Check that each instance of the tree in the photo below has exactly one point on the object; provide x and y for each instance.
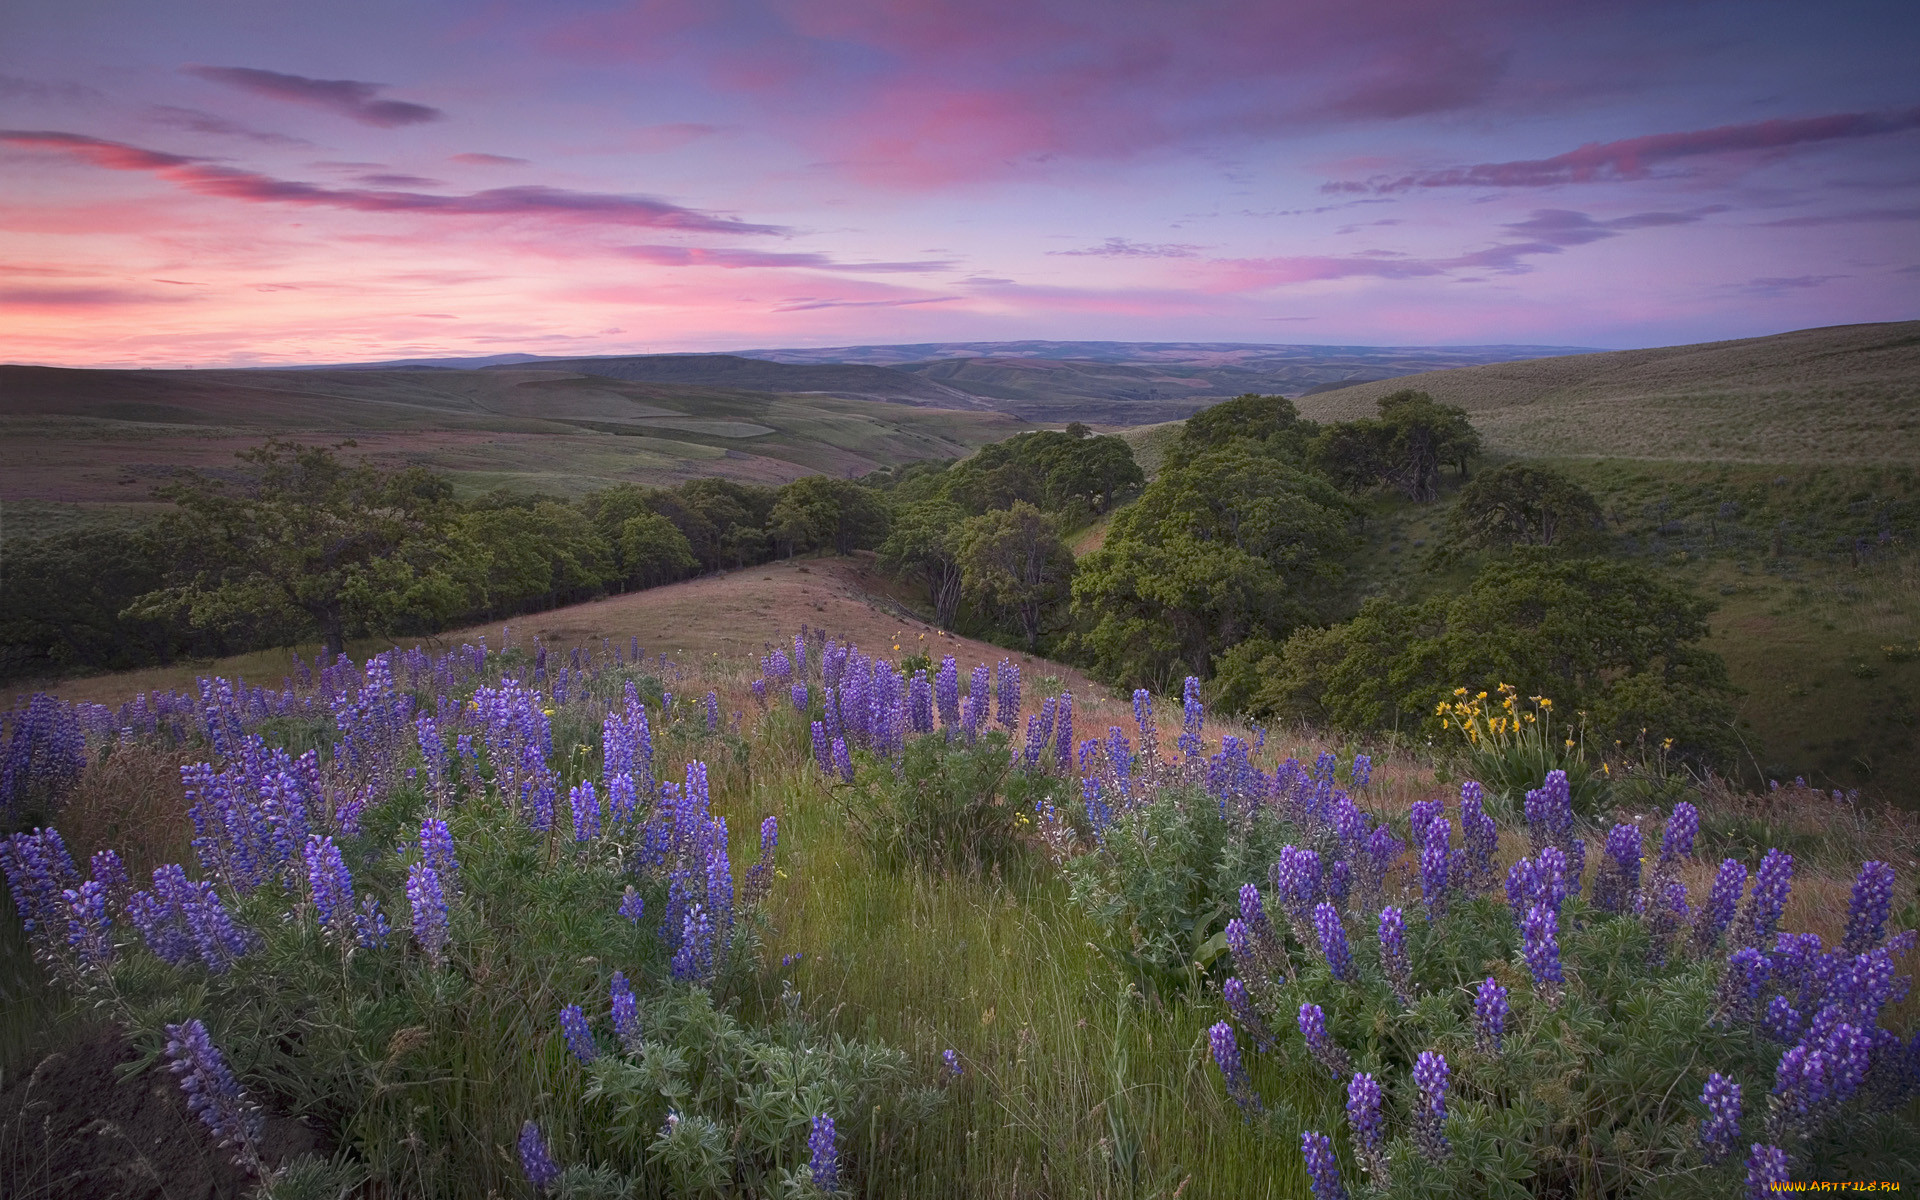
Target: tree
(330, 547)
(818, 512)
(1013, 559)
(61, 600)
(652, 551)
(923, 543)
(1606, 637)
(1227, 546)
(1521, 505)
(1091, 469)
(1403, 447)
(1272, 421)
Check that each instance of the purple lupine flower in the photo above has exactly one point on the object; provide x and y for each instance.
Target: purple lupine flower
(920, 703)
(1194, 716)
(88, 923)
(1362, 771)
(1340, 881)
(1435, 862)
(1721, 1097)
(219, 940)
(331, 887)
(1313, 1027)
(1782, 1021)
(1420, 816)
(799, 696)
(108, 871)
(1143, 721)
(1241, 1006)
(823, 1154)
(436, 850)
(539, 793)
(1801, 1085)
(1676, 842)
(1369, 1129)
(632, 905)
(713, 712)
(1522, 887)
(38, 870)
(842, 760)
(1867, 911)
(1393, 953)
(1760, 915)
(1721, 903)
(1006, 695)
(1429, 1120)
(542, 1171)
(1333, 941)
(759, 689)
(1481, 835)
(1321, 1167)
(974, 713)
(1297, 882)
(1269, 954)
(693, 962)
(1240, 945)
(1489, 1015)
(429, 903)
(950, 1059)
(586, 811)
(821, 754)
(946, 692)
(1619, 875)
(1747, 971)
(370, 924)
(213, 1094)
(1553, 878)
(573, 1023)
(1766, 1166)
(1541, 948)
(1666, 914)
(1226, 1055)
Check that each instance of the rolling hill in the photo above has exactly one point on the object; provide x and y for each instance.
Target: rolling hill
(1841, 394)
(80, 444)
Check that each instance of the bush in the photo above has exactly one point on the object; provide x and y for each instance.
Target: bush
(947, 804)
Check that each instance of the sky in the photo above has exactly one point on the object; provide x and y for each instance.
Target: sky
(246, 182)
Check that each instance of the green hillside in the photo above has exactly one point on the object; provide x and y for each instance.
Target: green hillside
(83, 445)
(1847, 393)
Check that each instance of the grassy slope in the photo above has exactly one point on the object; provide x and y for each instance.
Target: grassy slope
(75, 442)
(1849, 393)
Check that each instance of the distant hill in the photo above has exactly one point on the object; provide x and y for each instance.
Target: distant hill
(1840, 394)
(80, 445)
(851, 381)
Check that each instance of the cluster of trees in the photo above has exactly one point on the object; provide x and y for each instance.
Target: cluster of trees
(313, 545)
(985, 531)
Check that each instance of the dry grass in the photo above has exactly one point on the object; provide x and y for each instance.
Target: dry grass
(1845, 394)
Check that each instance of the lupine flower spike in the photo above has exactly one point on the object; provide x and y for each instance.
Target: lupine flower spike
(1717, 1133)
(1226, 1055)
(1489, 1015)
(213, 1094)
(1313, 1027)
(542, 1171)
(823, 1155)
(1322, 1170)
(1369, 1130)
(1431, 1075)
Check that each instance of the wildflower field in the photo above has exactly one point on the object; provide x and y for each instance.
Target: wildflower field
(515, 922)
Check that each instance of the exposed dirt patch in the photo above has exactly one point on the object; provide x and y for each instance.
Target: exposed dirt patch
(72, 1128)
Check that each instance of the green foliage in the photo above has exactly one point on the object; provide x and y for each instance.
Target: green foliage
(1164, 881)
(821, 513)
(1227, 546)
(1270, 421)
(654, 551)
(1608, 638)
(1013, 560)
(1518, 504)
(1403, 448)
(949, 805)
(923, 544)
(61, 600)
(328, 548)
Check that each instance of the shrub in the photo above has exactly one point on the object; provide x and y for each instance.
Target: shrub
(948, 805)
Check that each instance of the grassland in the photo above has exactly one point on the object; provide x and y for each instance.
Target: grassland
(1846, 394)
(85, 445)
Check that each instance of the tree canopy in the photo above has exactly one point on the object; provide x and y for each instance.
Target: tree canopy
(1403, 448)
(1518, 504)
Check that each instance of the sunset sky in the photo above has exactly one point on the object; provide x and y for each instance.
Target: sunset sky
(247, 182)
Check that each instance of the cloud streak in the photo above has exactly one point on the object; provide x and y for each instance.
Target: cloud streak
(705, 256)
(805, 303)
(206, 178)
(349, 98)
(1635, 158)
(1122, 248)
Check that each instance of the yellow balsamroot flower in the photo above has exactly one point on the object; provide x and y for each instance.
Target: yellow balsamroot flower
(1544, 701)
(1460, 691)
(547, 711)
(1481, 696)
(1569, 743)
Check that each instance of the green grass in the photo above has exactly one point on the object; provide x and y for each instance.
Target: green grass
(1075, 1085)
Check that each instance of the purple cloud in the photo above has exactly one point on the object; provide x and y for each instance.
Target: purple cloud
(205, 178)
(1866, 216)
(1122, 248)
(348, 97)
(1789, 282)
(806, 303)
(192, 120)
(706, 256)
(1634, 158)
(1566, 227)
(79, 298)
(488, 160)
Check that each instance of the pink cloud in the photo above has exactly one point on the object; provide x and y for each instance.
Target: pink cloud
(72, 298)
(804, 304)
(704, 256)
(487, 160)
(205, 178)
(348, 97)
(1634, 158)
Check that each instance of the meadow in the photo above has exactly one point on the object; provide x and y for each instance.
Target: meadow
(914, 925)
